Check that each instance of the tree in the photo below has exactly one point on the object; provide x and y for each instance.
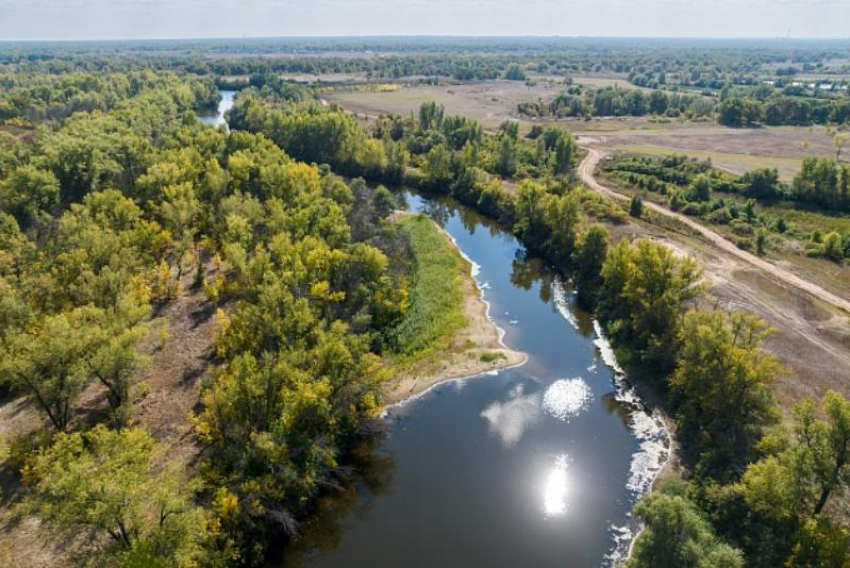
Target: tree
(49, 361)
(565, 151)
(658, 102)
(833, 246)
(29, 192)
(821, 542)
(430, 115)
(761, 241)
(506, 162)
(722, 388)
(115, 364)
(636, 207)
(831, 441)
(730, 112)
(587, 262)
(677, 536)
(701, 188)
(113, 483)
(655, 287)
(438, 168)
(820, 182)
(839, 141)
(762, 183)
(798, 481)
(737, 112)
(515, 73)
(179, 210)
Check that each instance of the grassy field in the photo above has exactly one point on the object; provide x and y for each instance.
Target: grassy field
(490, 102)
(732, 163)
(436, 307)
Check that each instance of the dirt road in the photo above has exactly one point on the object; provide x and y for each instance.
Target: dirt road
(586, 170)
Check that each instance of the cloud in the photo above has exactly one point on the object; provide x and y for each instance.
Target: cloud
(510, 419)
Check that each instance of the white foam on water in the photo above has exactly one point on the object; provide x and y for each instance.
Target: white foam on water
(646, 463)
(559, 298)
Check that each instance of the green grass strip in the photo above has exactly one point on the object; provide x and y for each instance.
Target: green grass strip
(436, 307)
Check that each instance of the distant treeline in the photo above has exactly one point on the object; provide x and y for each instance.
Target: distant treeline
(576, 101)
(772, 109)
(702, 64)
(783, 111)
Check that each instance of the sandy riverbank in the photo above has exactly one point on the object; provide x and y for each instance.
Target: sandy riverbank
(473, 350)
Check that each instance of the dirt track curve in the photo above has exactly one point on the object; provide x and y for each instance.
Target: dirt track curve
(585, 172)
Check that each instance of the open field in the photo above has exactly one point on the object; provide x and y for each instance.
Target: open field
(732, 149)
(736, 150)
(491, 102)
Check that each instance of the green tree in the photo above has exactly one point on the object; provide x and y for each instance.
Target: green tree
(49, 360)
(29, 192)
(645, 290)
(515, 73)
(762, 184)
(587, 264)
(833, 246)
(438, 168)
(761, 241)
(179, 210)
(116, 484)
(115, 365)
(821, 542)
(565, 152)
(701, 188)
(798, 481)
(506, 161)
(636, 207)
(722, 388)
(431, 115)
(677, 536)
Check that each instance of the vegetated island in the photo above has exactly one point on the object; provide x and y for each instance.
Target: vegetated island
(447, 333)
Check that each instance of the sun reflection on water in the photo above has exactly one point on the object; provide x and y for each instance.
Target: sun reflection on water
(556, 490)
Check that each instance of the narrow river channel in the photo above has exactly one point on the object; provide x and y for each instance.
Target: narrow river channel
(534, 466)
(224, 105)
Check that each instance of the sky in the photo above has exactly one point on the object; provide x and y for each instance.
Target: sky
(135, 19)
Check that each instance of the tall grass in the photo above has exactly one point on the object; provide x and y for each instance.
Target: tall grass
(436, 307)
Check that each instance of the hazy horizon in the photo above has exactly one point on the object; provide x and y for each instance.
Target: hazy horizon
(99, 20)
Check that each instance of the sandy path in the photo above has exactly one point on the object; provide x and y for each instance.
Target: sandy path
(585, 172)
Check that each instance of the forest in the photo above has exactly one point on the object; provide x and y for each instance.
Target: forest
(115, 201)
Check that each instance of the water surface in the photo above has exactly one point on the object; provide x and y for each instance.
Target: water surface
(533, 466)
(224, 105)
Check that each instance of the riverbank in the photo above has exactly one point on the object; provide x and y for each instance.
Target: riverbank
(472, 346)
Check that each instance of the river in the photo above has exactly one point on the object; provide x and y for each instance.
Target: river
(534, 466)
(224, 105)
